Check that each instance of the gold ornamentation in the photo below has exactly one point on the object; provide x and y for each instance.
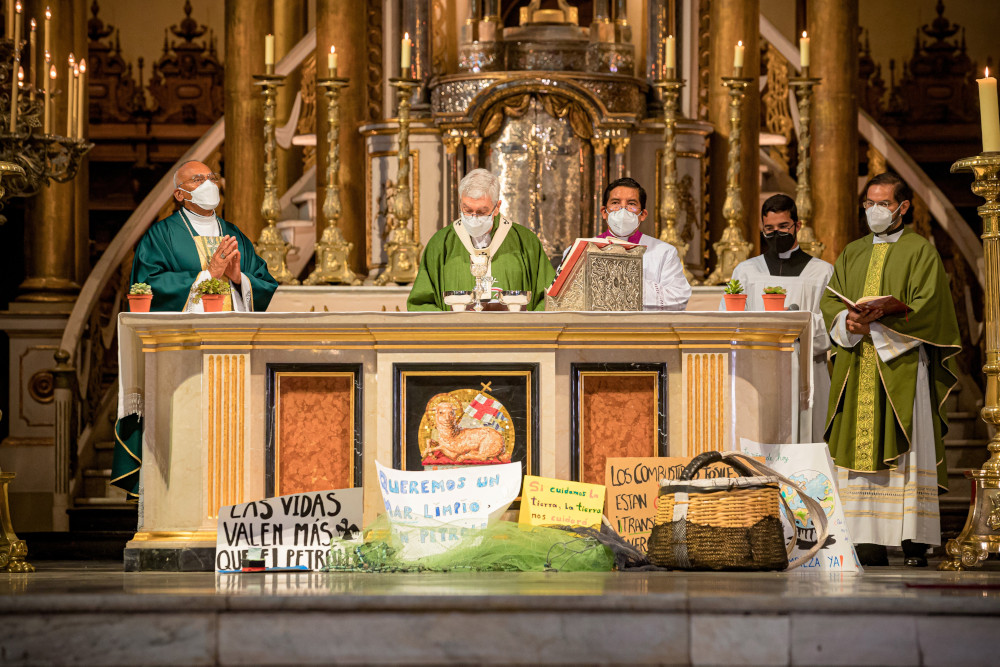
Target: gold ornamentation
(12, 550)
(876, 161)
(732, 249)
(307, 118)
(224, 439)
(979, 537)
(669, 205)
(402, 249)
(374, 51)
(270, 246)
(704, 379)
(607, 279)
(777, 118)
(41, 386)
(333, 250)
(704, 51)
(803, 189)
(868, 375)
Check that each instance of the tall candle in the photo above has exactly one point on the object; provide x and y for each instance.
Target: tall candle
(48, 98)
(32, 71)
(8, 26)
(47, 36)
(269, 50)
(804, 50)
(331, 62)
(404, 55)
(989, 112)
(670, 58)
(70, 97)
(81, 97)
(738, 56)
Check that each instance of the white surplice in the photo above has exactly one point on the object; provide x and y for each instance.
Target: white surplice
(804, 293)
(889, 506)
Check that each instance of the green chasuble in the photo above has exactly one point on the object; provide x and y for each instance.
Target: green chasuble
(870, 415)
(519, 263)
(168, 260)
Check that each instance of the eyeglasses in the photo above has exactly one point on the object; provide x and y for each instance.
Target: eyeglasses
(868, 203)
(198, 179)
(617, 207)
(784, 228)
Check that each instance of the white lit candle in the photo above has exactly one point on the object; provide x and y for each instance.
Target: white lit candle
(269, 51)
(670, 57)
(804, 50)
(404, 56)
(331, 62)
(49, 87)
(17, 30)
(81, 97)
(989, 112)
(738, 56)
(70, 96)
(31, 58)
(47, 36)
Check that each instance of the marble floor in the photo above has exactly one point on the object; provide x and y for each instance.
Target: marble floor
(94, 613)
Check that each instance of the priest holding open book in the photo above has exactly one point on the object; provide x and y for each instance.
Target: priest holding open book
(893, 369)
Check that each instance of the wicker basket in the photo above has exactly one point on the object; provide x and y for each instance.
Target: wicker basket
(727, 523)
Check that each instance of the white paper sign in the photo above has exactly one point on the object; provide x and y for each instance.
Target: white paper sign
(432, 510)
(290, 531)
(809, 464)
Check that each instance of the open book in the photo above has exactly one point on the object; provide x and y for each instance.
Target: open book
(890, 305)
(573, 256)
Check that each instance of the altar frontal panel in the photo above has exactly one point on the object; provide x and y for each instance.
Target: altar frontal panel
(617, 410)
(314, 428)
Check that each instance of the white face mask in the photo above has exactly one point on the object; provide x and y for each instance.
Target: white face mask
(880, 218)
(477, 225)
(623, 222)
(205, 195)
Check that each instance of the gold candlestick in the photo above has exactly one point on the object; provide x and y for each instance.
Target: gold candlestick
(670, 92)
(803, 187)
(981, 534)
(732, 249)
(270, 246)
(402, 249)
(333, 250)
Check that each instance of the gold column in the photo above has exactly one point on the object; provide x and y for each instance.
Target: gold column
(56, 236)
(289, 27)
(247, 23)
(733, 21)
(81, 184)
(833, 27)
(344, 24)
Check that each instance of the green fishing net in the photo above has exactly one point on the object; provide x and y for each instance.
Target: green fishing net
(502, 547)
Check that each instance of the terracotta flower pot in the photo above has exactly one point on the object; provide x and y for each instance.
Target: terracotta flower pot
(212, 302)
(736, 301)
(774, 301)
(139, 303)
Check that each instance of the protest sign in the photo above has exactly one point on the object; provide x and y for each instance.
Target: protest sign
(809, 465)
(633, 484)
(554, 502)
(290, 531)
(433, 509)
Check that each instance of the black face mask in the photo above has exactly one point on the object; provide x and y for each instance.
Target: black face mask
(778, 242)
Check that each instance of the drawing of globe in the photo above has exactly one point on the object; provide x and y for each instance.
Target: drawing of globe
(818, 486)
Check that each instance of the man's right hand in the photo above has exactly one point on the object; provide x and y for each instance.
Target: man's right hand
(222, 256)
(860, 322)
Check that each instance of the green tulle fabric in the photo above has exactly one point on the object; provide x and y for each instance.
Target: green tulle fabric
(502, 547)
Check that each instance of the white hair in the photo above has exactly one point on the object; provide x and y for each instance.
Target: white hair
(478, 183)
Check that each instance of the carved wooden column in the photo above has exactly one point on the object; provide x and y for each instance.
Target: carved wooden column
(247, 23)
(833, 27)
(344, 25)
(289, 27)
(733, 21)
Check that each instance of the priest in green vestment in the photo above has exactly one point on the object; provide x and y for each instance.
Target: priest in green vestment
(513, 254)
(891, 376)
(173, 256)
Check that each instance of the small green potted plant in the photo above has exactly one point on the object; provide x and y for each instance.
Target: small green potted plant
(140, 295)
(211, 293)
(734, 296)
(774, 298)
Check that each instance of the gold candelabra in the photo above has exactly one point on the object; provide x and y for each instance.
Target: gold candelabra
(333, 250)
(670, 91)
(402, 249)
(731, 249)
(981, 534)
(803, 86)
(270, 246)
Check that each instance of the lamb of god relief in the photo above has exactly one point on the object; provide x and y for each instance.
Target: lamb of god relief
(459, 414)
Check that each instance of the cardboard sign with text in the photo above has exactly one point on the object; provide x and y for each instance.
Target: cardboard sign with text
(431, 510)
(555, 502)
(291, 531)
(633, 485)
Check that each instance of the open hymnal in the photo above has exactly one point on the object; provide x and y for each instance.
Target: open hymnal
(890, 305)
(574, 255)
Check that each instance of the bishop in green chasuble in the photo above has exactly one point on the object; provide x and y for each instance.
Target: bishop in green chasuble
(886, 416)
